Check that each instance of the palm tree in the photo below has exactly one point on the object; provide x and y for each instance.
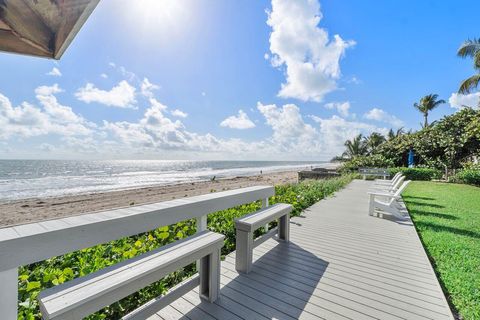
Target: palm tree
(470, 48)
(393, 134)
(374, 141)
(355, 147)
(427, 104)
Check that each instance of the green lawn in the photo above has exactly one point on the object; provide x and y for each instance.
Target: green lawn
(447, 217)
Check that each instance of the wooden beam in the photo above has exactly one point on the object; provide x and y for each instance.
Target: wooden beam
(4, 26)
(10, 43)
(74, 16)
(27, 25)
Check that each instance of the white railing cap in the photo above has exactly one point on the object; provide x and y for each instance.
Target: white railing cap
(24, 244)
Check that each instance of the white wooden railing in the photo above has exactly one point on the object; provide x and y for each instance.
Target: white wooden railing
(29, 243)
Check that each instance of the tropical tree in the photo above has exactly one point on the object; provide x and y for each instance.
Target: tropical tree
(373, 141)
(355, 147)
(427, 104)
(393, 134)
(471, 49)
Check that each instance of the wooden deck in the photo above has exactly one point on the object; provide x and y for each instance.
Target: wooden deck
(340, 264)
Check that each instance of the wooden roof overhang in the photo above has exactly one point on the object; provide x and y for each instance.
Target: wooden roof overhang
(43, 28)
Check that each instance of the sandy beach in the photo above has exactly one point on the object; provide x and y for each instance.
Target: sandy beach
(36, 209)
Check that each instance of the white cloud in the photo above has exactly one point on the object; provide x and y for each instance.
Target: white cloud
(240, 121)
(292, 137)
(341, 107)
(179, 113)
(290, 133)
(48, 90)
(158, 132)
(335, 131)
(46, 147)
(354, 80)
(383, 116)
(122, 95)
(147, 88)
(310, 57)
(104, 75)
(458, 101)
(28, 120)
(54, 72)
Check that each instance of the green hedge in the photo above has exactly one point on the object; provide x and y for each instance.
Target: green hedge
(425, 174)
(468, 176)
(38, 276)
(373, 161)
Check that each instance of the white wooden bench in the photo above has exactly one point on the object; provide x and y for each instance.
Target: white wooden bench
(85, 295)
(246, 225)
(374, 172)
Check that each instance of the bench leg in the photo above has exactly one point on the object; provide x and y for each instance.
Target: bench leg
(210, 276)
(284, 227)
(244, 251)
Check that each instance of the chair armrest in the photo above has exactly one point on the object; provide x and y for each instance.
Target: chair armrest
(382, 194)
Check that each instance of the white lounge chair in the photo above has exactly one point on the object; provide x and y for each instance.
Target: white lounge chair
(389, 182)
(387, 204)
(388, 188)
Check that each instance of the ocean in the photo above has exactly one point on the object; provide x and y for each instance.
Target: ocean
(22, 179)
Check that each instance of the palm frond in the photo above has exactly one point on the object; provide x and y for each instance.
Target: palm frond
(469, 84)
(476, 60)
(437, 103)
(469, 48)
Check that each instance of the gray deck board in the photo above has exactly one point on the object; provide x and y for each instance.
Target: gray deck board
(340, 264)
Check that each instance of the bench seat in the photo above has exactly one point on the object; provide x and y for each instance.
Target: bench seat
(246, 225)
(85, 295)
(253, 221)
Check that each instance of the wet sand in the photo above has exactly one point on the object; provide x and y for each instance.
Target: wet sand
(36, 209)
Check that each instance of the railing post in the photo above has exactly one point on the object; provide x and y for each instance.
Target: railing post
(9, 293)
(201, 226)
(264, 205)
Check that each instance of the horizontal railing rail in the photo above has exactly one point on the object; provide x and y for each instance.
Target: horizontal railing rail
(24, 244)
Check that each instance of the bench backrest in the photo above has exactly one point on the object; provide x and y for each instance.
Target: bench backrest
(374, 171)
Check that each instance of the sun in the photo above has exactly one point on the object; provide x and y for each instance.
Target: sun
(160, 11)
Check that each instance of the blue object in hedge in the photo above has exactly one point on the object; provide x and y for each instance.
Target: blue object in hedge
(410, 158)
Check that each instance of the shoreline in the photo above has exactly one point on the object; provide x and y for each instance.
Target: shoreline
(23, 211)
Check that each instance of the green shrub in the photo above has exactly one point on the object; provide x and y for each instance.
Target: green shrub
(373, 161)
(425, 174)
(468, 176)
(39, 276)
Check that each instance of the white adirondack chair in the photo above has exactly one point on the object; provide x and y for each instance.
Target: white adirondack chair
(387, 188)
(386, 202)
(389, 182)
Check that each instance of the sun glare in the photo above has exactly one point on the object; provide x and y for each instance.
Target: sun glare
(155, 13)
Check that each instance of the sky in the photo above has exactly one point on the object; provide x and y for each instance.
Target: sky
(243, 80)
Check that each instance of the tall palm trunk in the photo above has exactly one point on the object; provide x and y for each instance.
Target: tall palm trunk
(425, 120)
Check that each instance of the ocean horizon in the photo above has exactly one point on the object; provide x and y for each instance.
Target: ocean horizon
(24, 179)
